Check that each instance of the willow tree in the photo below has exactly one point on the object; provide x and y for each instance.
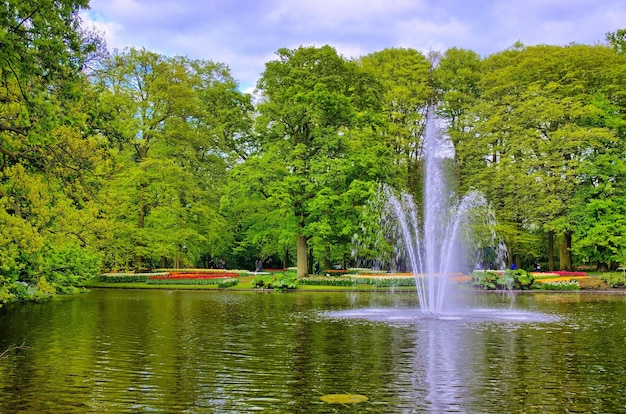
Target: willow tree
(313, 102)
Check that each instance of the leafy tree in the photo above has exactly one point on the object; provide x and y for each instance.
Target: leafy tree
(532, 136)
(177, 122)
(315, 105)
(456, 78)
(406, 78)
(49, 155)
(617, 40)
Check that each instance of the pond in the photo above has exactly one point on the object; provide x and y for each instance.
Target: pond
(223, 351)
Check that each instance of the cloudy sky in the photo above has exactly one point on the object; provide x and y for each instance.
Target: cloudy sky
(245, 34)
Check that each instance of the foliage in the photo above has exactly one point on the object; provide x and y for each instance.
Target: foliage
(278, 281)
(186, 281)
(614, 279)
(176, 122)
(509, 279)
(542, 118)
(51, 155)
(226, 283)
(353, 281)
(123, 278)
(138, 160)
(317, 113)
(327, 281)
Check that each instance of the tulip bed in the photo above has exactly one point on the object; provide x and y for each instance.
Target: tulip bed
(192, 278)
(220, 278)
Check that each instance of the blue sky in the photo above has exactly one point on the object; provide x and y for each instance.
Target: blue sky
(245, 34)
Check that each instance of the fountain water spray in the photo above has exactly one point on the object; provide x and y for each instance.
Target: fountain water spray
(452, 235)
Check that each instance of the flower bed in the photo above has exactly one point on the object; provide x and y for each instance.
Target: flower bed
(188, 281)
(557, 285)
(557, 273)
(194, 276)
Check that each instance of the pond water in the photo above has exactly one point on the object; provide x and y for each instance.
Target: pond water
(217, 352)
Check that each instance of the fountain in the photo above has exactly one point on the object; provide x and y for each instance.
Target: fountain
(434, 247)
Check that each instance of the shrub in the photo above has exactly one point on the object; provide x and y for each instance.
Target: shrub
(522, 280)
(614, 280)
(184, 281)
(328, 281)
(123, 278)
(386, 281)
(509, 279)
(226, 283)
(279, 281)
(484, 280)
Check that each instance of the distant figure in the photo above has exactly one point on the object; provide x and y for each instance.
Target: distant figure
(222, 264)
(538, 267)
(513, 266)
(316, 268)
(258, 265)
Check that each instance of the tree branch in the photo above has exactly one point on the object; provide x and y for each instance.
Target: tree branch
(5, 353)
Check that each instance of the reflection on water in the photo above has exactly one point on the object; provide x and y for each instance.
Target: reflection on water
(184, 351)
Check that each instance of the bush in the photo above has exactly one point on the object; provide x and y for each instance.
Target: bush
(614, 280)
(327, 281)
(67, 266)
(123, 278)
(484, 280)
(509, 279)
(279, 281)
(226, 283)
(386, 281)
(182, 281)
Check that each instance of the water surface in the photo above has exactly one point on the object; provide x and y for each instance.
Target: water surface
(217, 352)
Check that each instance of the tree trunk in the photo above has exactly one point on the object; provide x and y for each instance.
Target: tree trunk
(327, 264)
(301, 256)
(565, 256)
(550, 251)
(509, 255)
(141, 219)
(177, 258)
(141, 206)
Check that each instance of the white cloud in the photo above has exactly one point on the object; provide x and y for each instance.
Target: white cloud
(244, 34)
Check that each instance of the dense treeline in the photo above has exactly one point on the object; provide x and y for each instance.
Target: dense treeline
(131, 160)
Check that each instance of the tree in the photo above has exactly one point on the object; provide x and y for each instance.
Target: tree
(177, 122)
(532, 135)
(48, 169)
(617, 40)
(314, 100)
(406, 78)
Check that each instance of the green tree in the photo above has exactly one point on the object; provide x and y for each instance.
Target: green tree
(405, 75)
(617, 40)
(177, 122)
(532, 135)
(49, 154)
(315, 104)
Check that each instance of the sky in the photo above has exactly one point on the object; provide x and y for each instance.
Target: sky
(245, 34)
